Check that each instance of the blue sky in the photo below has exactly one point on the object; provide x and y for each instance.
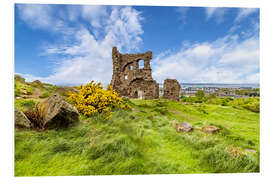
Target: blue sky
(71, 44)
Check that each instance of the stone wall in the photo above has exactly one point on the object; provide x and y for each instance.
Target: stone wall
(129, 79)
(171, 89)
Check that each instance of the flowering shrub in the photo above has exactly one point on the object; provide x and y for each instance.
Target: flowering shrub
(92, 98)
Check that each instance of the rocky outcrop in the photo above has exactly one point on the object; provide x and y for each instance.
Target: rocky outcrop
(19, 78)
(38, 83)
(21, 121)
(184, 127)
(56, 112)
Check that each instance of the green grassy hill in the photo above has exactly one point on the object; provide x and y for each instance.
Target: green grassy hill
(144, 141)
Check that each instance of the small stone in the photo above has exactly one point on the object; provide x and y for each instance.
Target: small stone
(24, 92)
(211, 129)
(251, 151)
(184, 127)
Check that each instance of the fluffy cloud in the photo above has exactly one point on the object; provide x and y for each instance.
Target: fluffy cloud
(40, 16)
(37, 16)
(86, 50)
(225, 60)
(87, 56)
(95, 14)
(244, 12)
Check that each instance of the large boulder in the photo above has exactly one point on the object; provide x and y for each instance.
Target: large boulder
(184, 127)
(21, 121)
(57, 113)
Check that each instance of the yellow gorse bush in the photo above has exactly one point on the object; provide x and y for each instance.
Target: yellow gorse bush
(92, 98)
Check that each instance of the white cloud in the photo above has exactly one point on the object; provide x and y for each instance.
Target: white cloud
(87, 48)
(244, 12)
(182, 11)
(89, 57)
(234, 28)
(215, 12)
(210, 11)
(96, 14)
(226, 60)
(35, 15)
(73, 12)
(41, 16)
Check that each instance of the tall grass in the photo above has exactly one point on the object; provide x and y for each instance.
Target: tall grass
(143, 141)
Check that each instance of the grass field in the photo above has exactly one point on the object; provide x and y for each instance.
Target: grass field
(144, 141)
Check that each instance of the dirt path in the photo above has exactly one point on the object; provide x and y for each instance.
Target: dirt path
(36, 94)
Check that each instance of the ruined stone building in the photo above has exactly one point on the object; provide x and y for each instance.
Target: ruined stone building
(171, 89)
(131, 78)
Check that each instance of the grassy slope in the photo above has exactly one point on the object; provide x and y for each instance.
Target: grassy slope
(143, 141)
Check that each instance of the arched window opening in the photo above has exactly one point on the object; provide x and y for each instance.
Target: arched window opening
(141, 64)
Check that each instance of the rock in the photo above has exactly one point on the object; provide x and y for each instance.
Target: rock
(65, 90)
(184, 127)
(19, 78)
(251, 151)
(21, 120)
(24, 92)
(38, 83)
(211, 129)
(235, 151)
(58, 113)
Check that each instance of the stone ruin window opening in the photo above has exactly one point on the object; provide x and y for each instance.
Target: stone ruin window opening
(141, 64)
(131, 67)
(126, 77)
(140, 94)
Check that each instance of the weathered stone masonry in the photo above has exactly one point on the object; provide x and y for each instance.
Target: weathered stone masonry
(129, 79)
(171, 89)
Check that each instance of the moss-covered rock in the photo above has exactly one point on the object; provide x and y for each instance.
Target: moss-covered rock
(21, 121)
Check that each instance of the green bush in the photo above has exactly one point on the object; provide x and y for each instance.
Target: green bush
(25, 104)
(225, 101)
(17, 92)
(251, 103)
(49, 87)
(29, 91)
(200, 95)
(44, 95)
(255, 107)
(17, 88)
(189, 99)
